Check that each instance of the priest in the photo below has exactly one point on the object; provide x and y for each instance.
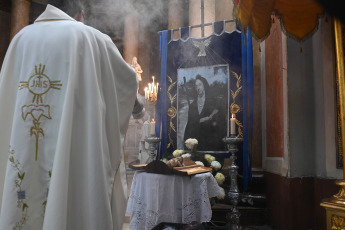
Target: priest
(66, 96)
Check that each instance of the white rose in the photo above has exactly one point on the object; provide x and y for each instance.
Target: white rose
(220, 178)
(187, 155)
(199, 163)
(209, 158)
(216, 165)
(221, 194)
(178, 153)
(191, 142)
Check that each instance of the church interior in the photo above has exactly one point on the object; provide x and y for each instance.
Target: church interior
(295, 117)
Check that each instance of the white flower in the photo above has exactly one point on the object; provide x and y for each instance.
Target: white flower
(199, 163)
(191, 143)
(216, 165)
(221, 194)
(178, 153)
(186, 155)
(220, 178)
(209, 158)
(164, 160)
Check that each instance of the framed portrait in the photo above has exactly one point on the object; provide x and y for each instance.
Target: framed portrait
(203, 105)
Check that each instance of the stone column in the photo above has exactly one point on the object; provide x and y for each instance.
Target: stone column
(19, 15)
(195, 16)
(130, 38)
(176, 16)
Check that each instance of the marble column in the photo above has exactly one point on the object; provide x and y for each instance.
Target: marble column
(130, 38)
(19, 16)
(195, 16)
(176, 16)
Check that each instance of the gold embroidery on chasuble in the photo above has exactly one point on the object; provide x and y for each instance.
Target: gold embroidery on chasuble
(38, 85)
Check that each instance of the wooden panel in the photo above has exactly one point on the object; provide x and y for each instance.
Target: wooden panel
(274, 92)
(294, 203)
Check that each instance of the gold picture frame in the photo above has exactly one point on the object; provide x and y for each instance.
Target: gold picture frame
(340, 89)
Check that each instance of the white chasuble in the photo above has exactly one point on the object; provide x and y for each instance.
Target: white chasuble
(66, 96)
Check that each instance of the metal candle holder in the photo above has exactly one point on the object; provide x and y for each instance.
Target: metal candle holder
(152, 141)
(233, 216)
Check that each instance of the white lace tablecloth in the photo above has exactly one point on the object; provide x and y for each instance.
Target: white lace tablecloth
(156, 198)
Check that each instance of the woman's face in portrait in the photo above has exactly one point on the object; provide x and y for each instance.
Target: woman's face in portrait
(199, 87)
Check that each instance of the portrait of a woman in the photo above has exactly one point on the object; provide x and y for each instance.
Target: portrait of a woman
(205, 121)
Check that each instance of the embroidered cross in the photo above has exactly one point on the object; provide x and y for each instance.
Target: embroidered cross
(38, 85)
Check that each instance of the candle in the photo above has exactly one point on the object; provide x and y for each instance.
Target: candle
(153, 127)
(146, 94)
(233, 124)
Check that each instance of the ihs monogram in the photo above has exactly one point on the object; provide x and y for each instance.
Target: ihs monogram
(38, 84)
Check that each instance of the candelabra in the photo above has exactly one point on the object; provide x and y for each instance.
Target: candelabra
(233, 216)
(152, 141)
(151, 92)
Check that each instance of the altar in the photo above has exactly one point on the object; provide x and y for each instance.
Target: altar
(158, 198)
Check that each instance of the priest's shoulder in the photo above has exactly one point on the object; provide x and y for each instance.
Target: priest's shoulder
(99, 34)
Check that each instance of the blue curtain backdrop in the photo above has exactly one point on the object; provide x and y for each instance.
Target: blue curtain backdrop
(221, 48)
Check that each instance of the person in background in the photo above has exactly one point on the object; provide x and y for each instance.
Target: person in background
(66, 96)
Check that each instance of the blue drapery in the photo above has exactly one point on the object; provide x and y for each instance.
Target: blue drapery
(161, 107)
(248, 92)
(232, 49)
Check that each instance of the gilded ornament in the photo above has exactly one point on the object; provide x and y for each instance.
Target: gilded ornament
(337, 222)
(235, 108)
(172, 112)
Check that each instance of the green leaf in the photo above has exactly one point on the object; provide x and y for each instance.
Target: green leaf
(50, 174)
(44, 203)
(21, 176)
(11, 159)
(25, 206)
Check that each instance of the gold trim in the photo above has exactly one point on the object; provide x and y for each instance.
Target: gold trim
(340, 80)
(333, 206)
(339, 198)
(337, 222)
(171, 115)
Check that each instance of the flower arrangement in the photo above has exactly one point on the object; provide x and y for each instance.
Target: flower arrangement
(178, 153)
(191, 143)
(200, 159)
